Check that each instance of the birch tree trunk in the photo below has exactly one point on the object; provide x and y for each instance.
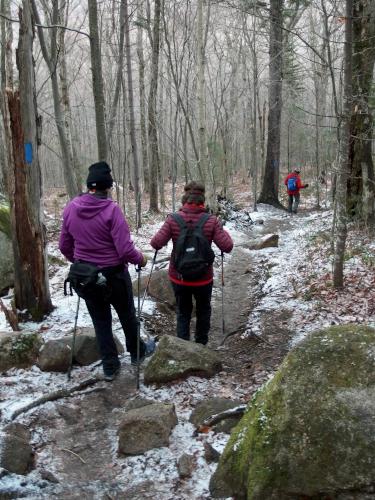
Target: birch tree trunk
(152, 122)
(270, 187)
(342, 178)
(97, 81)
(28, 231)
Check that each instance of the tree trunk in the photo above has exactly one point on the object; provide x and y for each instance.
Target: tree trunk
(72, 184)
(345, 146)
(270, 187)
(28, 235)
(142, 97)
(133, 135)
(360, 191)
(152, 122)
(97, 80)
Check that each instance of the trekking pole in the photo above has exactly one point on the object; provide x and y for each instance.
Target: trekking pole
(138, 269)
(148, 282)
(222, 294)
(74, 339)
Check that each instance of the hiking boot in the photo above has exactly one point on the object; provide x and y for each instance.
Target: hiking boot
(150, 346)
(111, 375)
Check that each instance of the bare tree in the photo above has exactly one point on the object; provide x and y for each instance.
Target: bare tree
(97, 80)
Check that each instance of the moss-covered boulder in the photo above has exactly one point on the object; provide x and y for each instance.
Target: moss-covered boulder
(6, 250)
(310, 432)
(18, 350)
(176, 359)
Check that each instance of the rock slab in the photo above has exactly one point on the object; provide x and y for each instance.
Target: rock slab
(18, 350)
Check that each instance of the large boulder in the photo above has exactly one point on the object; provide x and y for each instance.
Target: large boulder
(55, 354)
(176, 359)
(310, 432)
(18, 349)
(267, 241)
(145, 428)
(16, 454)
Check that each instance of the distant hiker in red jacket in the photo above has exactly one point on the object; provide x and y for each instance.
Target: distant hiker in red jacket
(192, 231)
(294, 184)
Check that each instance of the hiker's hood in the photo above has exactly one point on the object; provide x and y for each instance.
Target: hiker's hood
(88, 205)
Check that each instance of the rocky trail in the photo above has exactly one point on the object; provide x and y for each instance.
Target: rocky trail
(75, 439)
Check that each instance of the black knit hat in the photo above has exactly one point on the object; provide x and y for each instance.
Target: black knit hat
(99, 176)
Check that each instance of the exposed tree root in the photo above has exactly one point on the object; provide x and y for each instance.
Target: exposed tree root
(53, 396)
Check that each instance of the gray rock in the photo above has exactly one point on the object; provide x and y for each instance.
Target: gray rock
(310, 432)
(178, 359)
(18, 350)
(137, 402)
(209, 408)
(16, 454)
(267, 241)
(48, 476)
(55, 354)
(210, 454)
(18, 430)
(146, 428)
(185, 465)
(160, 287)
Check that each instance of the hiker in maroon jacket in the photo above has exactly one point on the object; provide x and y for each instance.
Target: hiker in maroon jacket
(192, 211)
(294, 184)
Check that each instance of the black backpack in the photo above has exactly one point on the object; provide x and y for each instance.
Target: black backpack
(193, 253)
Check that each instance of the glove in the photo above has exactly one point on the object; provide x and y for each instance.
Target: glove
(306, 186)
(144, 261)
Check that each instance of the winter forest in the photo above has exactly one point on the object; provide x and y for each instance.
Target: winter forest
(234, 94)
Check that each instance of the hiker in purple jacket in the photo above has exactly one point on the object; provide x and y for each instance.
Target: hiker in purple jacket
(95, 231)
(192, 210)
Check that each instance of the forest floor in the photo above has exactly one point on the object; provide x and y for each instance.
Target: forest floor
(272, 298)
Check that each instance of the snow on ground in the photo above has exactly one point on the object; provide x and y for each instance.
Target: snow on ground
(298, 280)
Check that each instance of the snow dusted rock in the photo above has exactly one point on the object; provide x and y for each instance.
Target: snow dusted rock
(18, 350)
(267, 241)
(210, 454)
(16, 454)
(55, 354)
(175, 359)
(209, 408)
(310, 432)
(146, 428)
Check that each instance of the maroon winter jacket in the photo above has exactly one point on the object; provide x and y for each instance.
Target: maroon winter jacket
(212, 230)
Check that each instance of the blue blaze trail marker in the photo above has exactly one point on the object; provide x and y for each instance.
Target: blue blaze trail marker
(28, 152)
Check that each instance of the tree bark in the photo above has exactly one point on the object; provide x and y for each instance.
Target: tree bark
(133, 135)
(361, 178)
(270, 187)
(152, 122)
(345, 146)
(28, 235)
(97, 80)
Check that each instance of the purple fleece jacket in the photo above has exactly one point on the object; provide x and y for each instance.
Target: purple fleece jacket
(95, 230)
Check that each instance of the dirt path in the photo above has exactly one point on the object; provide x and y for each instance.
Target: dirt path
(75, 439)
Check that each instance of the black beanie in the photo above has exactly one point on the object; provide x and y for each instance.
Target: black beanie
(99, 176)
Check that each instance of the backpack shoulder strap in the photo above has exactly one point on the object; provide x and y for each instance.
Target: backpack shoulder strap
(202, 221)
(180, 221)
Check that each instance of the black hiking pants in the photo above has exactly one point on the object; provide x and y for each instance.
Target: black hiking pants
(119, 294)
(184, 298)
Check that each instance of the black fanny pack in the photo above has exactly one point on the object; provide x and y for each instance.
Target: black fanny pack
(83, 278)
